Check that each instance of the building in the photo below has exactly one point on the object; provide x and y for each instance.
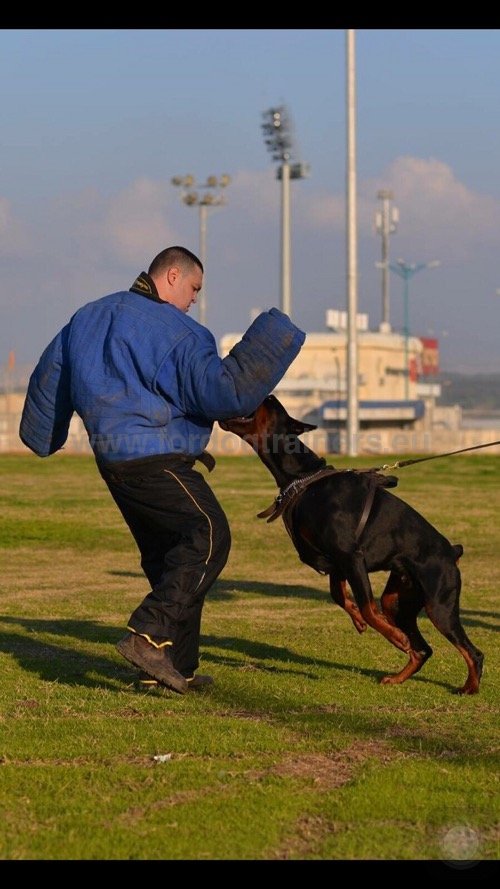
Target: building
(397, 411)
(397, 394)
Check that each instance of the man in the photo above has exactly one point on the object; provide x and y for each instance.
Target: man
(148, 383)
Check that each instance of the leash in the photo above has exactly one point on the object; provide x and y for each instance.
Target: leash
(279, 507)
(400, 463)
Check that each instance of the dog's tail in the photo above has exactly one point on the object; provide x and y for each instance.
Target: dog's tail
(459, 550)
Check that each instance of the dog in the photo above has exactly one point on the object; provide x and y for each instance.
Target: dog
(345, 524)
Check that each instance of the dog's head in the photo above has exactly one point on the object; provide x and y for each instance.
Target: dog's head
(270, 418)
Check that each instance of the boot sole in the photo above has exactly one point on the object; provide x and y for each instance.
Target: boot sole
(176, 683)
(155, 685)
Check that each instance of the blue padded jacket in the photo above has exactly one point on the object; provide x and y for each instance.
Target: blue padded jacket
(147, 379)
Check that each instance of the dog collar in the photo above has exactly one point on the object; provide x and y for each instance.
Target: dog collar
(288, 494)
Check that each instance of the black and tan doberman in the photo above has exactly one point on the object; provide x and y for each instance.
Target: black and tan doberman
(344, 523)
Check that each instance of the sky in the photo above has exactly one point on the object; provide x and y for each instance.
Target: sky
(96, 122)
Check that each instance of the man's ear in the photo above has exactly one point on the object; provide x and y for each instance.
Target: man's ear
(172, 274)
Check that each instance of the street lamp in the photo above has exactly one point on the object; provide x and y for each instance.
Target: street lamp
(386, 221)
(407, 270)
(278, 139)
(205, 199)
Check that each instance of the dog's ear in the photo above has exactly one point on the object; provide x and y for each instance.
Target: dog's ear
(298, 426)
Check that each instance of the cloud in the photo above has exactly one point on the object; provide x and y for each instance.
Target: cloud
(324, 211)
(84, 242)
(90, 236)
(436, 210)
(91, 227)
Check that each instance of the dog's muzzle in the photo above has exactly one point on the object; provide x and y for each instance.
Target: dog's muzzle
(226, 424)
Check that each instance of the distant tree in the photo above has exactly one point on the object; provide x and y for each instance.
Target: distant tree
(479, 392)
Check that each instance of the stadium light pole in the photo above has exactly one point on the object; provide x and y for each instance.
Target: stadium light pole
(406, 271)
(278, 139)
(386, 220)
(204, 199)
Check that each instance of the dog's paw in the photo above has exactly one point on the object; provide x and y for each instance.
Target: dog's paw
(467, 689)
(359, 624)
(391, 679)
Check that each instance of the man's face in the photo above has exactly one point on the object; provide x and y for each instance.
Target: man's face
(184, 287)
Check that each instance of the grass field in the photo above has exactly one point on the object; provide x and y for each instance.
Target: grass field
(297, 751)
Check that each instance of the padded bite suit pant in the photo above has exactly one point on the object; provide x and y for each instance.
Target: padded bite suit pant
(184, 539)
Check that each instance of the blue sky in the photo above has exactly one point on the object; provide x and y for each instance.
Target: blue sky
(96, 122)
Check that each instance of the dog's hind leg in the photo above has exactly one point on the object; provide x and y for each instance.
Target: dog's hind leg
(339, 594)
(401, 603)
(358, 580)
(444, 613)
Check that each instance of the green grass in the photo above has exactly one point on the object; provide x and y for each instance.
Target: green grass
(297, 751)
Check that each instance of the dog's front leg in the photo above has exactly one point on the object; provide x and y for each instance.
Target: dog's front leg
(359, 581)
(339, 594)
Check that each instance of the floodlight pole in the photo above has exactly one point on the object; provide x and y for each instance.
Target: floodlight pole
(203, 202)
(386, 221)
(203, 257)
(278, 139)
(286, 287)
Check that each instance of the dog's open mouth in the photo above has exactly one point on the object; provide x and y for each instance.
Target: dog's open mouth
(226, 424)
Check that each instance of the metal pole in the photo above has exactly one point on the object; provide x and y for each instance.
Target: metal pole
(351, 220)
(406, 271)
(385, 255)
(385, 270)
(285, 239)
(385, 221)
(203, 202)
(406, 331)
(202, 301)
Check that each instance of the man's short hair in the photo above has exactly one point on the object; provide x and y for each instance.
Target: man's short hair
(171, 256)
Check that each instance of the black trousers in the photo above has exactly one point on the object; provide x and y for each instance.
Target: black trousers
(184, 539)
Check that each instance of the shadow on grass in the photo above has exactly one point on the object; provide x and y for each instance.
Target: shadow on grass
(59, 662)
(469, 618)
(62, 663)
(227, 589)
(51, 661)
(224, 590)
(127, 574)
(259, 652)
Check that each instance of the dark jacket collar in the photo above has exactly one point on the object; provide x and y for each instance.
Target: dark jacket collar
(145, 285)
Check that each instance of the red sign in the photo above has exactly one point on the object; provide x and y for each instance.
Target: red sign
(412, 370)
(430, 355)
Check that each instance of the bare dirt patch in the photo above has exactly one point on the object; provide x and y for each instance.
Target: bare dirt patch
(326, 772)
